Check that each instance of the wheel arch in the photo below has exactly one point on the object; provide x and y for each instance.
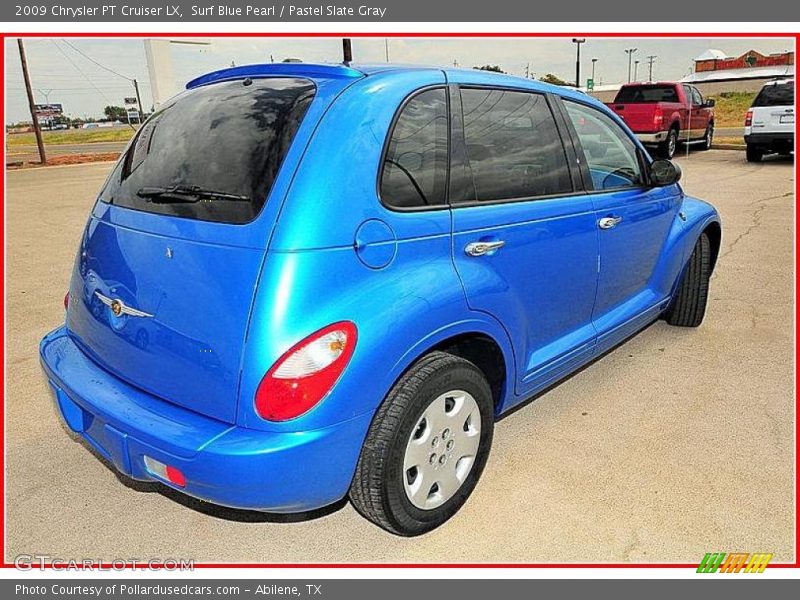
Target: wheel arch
(482, 342)
(714, 232)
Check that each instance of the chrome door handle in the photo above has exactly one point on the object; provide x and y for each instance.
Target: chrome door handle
(609, 222)
(481, 248)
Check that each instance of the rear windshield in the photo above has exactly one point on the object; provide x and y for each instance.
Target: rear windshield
(643, 94)
(780, 94)
(213, 152)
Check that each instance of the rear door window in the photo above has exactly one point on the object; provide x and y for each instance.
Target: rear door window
(414, 172)
(780, 94)
(513, 146)
(212, 153)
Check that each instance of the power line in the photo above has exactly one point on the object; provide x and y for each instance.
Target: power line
(89, 58)
(72, 62)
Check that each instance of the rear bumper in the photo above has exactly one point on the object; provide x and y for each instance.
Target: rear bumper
(224, 464)
(770, 139)
(652, 138)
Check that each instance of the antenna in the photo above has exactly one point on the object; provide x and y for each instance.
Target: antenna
(347, 51)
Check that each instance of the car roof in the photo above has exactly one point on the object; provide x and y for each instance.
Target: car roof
(779, 82)
(356, 71)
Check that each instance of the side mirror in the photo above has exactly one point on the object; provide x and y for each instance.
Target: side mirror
(711, 103)
(664, 173)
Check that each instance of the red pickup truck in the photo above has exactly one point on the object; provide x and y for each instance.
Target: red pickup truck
(662, 114)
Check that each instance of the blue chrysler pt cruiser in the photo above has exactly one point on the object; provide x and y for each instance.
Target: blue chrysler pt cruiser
(305, 282)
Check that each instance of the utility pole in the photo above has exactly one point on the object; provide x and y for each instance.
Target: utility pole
(629, 52)
(347, 50)
(31, 103)
(650, 60)
(386, 44)
(594, 62)
(138, 100)
(636, 70)
(578, 42)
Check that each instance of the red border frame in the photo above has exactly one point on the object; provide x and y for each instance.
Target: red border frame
(518, 34)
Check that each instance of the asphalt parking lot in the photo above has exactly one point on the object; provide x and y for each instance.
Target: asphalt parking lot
(677, 443)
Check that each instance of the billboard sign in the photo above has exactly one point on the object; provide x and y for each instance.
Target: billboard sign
(48, 111)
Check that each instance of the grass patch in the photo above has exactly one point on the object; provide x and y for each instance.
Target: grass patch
(732, 141)
(731, 108)
(74, 136)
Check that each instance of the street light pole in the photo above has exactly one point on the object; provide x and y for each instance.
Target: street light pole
(31, 104)
(629, 52)
(636, 70)
(578, 42)
(594, 62)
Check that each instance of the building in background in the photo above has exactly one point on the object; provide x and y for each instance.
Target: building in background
(714, 72)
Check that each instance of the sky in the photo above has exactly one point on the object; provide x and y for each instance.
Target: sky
(62, 70)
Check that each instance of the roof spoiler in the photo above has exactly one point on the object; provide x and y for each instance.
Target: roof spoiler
(273, 69)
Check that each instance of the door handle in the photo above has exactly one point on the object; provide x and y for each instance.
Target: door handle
(609, 222)
(482, 248)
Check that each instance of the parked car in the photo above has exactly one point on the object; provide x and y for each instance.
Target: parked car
(664, 114)
(302, 282)
(769, 124)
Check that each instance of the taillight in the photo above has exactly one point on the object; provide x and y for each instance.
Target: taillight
(748, 118)
(305, 374)
(66, 301)
(658, 118)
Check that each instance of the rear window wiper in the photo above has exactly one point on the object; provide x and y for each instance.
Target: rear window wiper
(186, 193)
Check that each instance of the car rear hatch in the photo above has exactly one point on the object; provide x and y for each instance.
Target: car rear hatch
(170, 259)
(773, 109)
(640, 108)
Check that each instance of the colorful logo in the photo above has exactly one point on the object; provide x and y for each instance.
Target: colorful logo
(735, 562)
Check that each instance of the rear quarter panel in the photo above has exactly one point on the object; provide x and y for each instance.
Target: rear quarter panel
(313, 275)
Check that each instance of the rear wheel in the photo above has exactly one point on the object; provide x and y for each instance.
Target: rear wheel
(754, 153)
(708, 138)
(689, 305)
(426, 447)
(666, 149)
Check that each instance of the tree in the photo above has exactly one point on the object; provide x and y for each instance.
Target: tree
(115, 113)
(493, 68)
(554, 79)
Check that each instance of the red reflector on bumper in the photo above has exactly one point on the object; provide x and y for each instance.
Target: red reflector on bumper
(162, 471)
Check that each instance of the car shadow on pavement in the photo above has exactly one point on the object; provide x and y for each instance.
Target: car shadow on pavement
(222, 512)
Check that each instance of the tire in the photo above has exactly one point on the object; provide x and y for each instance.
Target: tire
(754, 153)
(382, 486)
(708, 138)
(666, 149)
(689, 305)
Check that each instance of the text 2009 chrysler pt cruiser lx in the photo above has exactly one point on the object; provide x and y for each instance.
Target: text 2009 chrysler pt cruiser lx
(302, 282)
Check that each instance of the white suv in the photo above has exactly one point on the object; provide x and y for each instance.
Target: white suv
(769, 124)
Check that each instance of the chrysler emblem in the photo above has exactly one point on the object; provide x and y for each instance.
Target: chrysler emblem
(118, 307)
